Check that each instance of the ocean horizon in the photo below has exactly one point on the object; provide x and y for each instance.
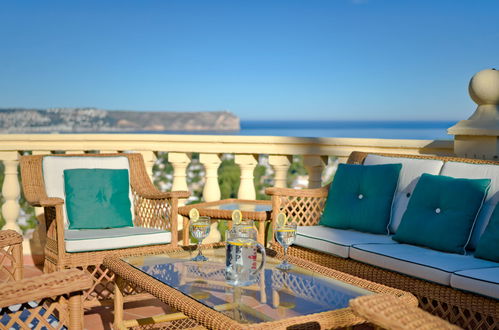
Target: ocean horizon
(388, 129)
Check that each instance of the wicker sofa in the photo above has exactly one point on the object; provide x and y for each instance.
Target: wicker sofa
(459, 288)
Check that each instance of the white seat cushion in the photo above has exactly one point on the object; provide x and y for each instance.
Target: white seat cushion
(83, 240)
(411, 171)
(54, 166)
(335, 241)
(477, 171)
(430, 265)
(484, 281)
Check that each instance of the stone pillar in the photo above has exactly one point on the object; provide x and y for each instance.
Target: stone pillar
(149, 160)
(211, 189)
(314, 165)
(11, 190)
(478, 136)
(280, 165)
(179, 161)
(247, 164)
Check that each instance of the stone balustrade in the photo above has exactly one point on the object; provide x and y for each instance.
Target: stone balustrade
(246, 151)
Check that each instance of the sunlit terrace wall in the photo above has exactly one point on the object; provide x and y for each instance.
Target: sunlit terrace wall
(246, 149)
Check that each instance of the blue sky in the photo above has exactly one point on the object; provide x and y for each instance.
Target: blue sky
(335, 59)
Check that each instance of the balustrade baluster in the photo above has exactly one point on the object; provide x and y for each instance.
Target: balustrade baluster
(11, 190)
(280, 165)
(211, 190)
(314, 165)
(247, 164)
(180, 161)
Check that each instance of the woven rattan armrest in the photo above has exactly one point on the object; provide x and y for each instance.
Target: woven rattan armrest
(390, 312)
(317, 192)
(156, 194)
(48, 285)
(51, 201)
(9, 237)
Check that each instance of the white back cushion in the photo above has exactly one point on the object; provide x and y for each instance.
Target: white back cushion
(411, 171)
(53, 173)
(477, 171)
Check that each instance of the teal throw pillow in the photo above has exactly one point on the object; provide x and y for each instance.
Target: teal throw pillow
(97, 198)
(488, 245)
(360, 197)
(441, 212)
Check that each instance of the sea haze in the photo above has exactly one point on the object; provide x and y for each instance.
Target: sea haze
(422, 130)
(353, 129)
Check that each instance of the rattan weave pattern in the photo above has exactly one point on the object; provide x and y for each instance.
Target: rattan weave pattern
(388, 312)
(41, 298)
(213, 320)
(152, 208)
(462, 308)
(11, 258)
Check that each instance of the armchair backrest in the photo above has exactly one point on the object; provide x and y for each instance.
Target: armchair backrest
(42, 175)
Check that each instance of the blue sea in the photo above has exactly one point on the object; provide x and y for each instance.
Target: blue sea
(422, 130)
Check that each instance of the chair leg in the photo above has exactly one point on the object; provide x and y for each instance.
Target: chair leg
(118, 302)
(75, 311)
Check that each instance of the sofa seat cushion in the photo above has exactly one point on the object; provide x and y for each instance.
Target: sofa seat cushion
(412, 169)
(85, 240)
(335, 241)
(484, 281)
(420, 262)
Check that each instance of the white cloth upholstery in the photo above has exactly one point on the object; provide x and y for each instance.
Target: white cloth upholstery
(477, 171)
(484, 281)
(53, 173)
(335, 241)
(427, 264)
(411, 171)
(83, 240)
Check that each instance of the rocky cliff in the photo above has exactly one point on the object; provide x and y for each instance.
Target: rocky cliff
(81, 120)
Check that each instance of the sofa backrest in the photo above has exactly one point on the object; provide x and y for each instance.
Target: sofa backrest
(411, 171)
(451, 166)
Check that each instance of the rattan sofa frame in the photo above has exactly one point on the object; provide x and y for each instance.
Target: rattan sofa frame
(152, 208)
(464, 309)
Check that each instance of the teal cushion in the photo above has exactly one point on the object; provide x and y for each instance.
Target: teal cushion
(97, 198)
(441, 212)
(488, 245)
(360, 197)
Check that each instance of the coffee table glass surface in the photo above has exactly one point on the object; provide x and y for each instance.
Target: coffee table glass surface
(276, 296)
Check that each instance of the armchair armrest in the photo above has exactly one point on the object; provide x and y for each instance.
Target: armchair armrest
(156, 194)
(51, 201)
(9, 237)
(47, 285)
(390, 312)
(317, 192)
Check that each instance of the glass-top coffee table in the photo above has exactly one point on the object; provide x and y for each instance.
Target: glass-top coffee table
(306, 294)
(256, 210)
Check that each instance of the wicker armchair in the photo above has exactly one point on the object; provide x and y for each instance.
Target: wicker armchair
(389, 312)
(465, 309)
(50, 301)
(151, 209)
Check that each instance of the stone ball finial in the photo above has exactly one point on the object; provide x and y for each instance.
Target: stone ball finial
(484, 87)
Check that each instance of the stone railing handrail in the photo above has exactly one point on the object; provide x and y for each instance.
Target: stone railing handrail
(179, 147)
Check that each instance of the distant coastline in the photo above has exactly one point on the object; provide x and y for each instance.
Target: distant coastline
(93, 120)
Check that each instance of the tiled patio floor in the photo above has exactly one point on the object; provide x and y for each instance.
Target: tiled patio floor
(102, 317)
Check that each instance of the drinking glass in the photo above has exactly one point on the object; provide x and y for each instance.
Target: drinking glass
(200, 228)
(285, 235)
